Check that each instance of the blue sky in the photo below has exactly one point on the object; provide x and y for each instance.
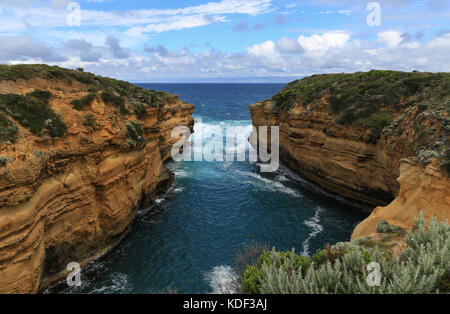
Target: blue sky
(225, 40)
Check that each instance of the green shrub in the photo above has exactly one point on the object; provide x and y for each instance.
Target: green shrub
(80, 104)
(347, 118)
(139, 108)
(42, 95)
(384, 227)
(34, 112)
(135, 134)
(364, 98)
(251, 282)
(286, 99)
(423, 267)
(8, 129)
(89, 121)
(119, 101)
(377, 122)
(3, 161)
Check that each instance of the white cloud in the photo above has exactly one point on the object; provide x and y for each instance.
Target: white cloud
(144, 20)
(264, 50)
(390, 38)
(319, 44)
(289, 45)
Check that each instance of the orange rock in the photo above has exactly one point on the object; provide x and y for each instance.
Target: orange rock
(70, 199)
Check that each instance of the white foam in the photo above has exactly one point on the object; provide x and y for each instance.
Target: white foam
(271, 185)
(221, 279)
(314, 224)
(207, 133)
(119, 284)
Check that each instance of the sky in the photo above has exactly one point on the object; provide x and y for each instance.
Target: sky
(226, 40)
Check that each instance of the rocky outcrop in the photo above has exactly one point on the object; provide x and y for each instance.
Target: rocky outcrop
(70, 198)
(422, 190)
(380, 138)
(342, 160)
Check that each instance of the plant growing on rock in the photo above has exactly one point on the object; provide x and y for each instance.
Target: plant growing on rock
(80, 104)
(8, 129)
(109, 98)
(33, 111)
(135, 135)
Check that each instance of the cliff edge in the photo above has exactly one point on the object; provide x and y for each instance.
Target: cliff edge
(80, 154)
(380, 137)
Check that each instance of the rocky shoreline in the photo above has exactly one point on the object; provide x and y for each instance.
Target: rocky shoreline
(395, 156)
(70, 197)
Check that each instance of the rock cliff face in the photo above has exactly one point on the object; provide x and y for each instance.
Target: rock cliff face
(69, 197)
(370, 137)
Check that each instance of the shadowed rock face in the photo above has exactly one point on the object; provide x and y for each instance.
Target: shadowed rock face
(349, 154)
(71, 198)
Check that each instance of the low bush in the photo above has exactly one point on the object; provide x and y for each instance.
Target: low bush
(8, 129)
(385, 227)
(138, 108)
(377, 122)
(119, 101)
(33, 111)
(80, 104)
(135, 135)
(423, 267)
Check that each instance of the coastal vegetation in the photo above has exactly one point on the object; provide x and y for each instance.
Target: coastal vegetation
(387, 104)
(367, 98)
(422, 267)
(80, 104)
(115, 92)
(33, 112)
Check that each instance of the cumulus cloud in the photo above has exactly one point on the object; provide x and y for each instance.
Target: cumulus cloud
(117, 51)
(25, 47)
(85, 49)
(289, 45)
(160, 49)
(319, 44)
(390, 38)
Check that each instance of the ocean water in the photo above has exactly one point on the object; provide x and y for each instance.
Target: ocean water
(187, 240)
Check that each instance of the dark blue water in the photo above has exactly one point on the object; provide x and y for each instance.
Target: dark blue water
(187, 240)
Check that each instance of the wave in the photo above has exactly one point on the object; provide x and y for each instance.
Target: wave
(221, 279)
(272, 185)
(119, 284)
(314, 224)
(232, 135)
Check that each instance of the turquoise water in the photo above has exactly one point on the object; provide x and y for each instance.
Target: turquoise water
(187, 240)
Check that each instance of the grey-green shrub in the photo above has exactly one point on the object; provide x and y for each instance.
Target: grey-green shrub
(423, 267)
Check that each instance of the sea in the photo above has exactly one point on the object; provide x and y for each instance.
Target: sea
(187, 240)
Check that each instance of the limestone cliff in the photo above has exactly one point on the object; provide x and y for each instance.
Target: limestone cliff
(75, 166)
(352, 134)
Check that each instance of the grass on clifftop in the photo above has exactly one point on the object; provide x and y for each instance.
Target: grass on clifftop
(113, 91)
(365, 98)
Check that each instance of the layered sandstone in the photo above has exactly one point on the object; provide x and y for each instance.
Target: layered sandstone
(69, 199)
(401, 167)
(422, 190)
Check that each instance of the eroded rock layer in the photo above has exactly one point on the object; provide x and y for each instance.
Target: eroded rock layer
(70, 198)
(381, 138)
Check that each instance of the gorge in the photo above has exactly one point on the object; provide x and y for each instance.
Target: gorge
(71, 188)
